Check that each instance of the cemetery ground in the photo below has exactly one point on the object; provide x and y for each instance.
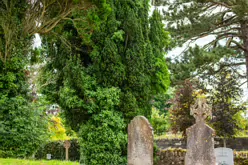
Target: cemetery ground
(35, 162)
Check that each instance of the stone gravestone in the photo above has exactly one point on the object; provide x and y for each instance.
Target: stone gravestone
(67, 145)
(224, 156)
(200, 141)
(140, 142)
(49, 156)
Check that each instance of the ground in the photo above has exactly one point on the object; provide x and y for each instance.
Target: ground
(34, 162)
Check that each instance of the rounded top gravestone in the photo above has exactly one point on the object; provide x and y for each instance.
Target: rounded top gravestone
(224, 156)
(140, 142)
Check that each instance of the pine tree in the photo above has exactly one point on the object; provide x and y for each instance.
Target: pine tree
(225, 100)
(225, 20)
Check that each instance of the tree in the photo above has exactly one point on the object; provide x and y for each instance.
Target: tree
(225, 99)
(123, 52)
(116, 69)
(19, 21)
(21, 121)
(180, 117)
(225, 20)
(159, 122)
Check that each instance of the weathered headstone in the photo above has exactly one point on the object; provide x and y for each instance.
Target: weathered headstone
(67, 145)
(49, 156)
(224, 156)
(140, 142)
(200, 141)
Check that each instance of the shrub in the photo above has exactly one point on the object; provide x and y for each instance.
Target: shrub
(102, 139)
(23, 129)
(159, 122)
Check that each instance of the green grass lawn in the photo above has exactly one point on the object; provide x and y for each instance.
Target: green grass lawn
(34, 162)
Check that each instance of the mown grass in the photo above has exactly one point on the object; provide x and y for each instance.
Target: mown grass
(34, 162)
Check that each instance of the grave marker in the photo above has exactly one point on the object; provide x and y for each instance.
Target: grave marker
(200, 142)
(140, 142)
(224, 156)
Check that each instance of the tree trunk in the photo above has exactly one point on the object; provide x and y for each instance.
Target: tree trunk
(224, 142)
(244, 33)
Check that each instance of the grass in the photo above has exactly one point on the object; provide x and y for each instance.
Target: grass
(34, 162)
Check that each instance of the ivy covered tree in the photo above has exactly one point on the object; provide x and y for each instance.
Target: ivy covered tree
(20, 121)
(226, 103)
(123, 51)
(110, 63)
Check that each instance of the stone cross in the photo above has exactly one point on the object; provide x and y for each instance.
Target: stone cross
(200, 141)
(67, 145)
(140, 142)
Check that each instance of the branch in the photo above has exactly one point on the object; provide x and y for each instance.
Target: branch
(221, 4)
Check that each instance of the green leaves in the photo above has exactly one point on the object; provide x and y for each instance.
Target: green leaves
(21, 124)
(102, 139)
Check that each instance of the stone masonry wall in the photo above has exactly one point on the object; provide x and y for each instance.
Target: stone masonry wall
(173, 156)
(238, 144)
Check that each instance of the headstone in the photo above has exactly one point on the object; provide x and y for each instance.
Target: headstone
(140, 142)
(67, 145)
(224, 156)
(200, 141)
(49, 156)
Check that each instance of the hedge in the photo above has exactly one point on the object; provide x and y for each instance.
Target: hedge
(57, 150)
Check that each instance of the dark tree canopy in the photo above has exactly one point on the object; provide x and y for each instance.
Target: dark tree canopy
(125, 50)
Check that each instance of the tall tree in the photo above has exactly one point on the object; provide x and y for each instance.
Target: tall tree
(225, 99)
(111, 72)
(225, 20)
(19, 21)
(123, 52)
(18, 118)
(180, 117)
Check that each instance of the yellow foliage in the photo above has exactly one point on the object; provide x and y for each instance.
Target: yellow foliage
(199, 94)
(57, 129)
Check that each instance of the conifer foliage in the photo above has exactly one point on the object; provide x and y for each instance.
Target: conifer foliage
(106, 72)
(224, 21)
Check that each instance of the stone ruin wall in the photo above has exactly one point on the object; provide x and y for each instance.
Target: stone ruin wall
(175, 156)
(171, 157)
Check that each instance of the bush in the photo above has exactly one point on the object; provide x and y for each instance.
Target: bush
(103, 139)
(57, 150)
(23, 129)
(159, 122)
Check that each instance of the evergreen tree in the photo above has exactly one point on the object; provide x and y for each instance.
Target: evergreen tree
(108, 66)
(20, 121)
(122, 52)
(180, 117)
(225, 99)
(225, 20)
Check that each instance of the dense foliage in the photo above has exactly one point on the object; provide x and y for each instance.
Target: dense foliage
(103, 67)
(22, 126)
(159, 122)
(180, 117)
(225, 100)
(102, 139)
